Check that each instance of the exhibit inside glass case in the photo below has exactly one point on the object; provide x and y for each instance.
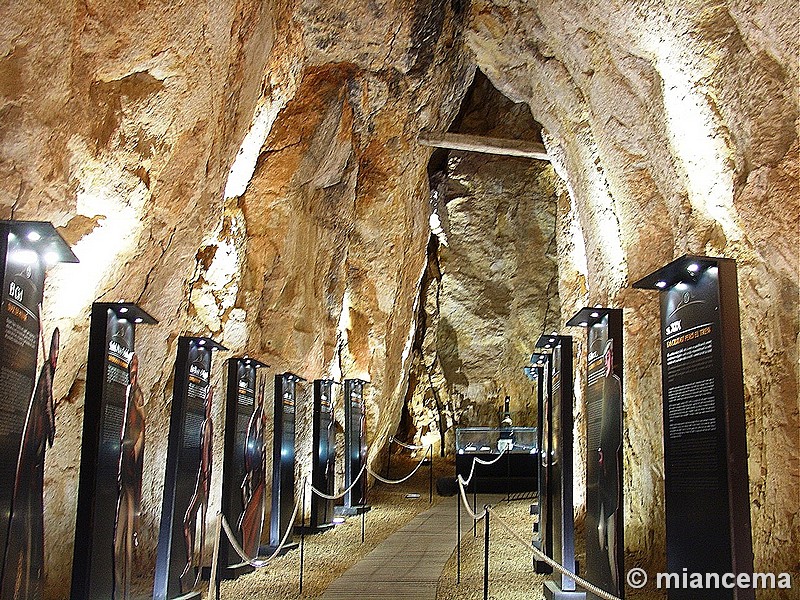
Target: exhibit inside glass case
(511, 454)
(492, 440)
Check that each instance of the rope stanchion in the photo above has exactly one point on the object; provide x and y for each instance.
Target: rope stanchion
(259, 562)
(430, 474)
(213, 581)
(486, 554)
(546, 559)
(336, 497)
(302, 538)
(396, 481)
(458, 545)
(394, 440)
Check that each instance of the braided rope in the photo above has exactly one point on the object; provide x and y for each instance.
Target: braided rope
(259, 561)
(546, 559)
(352, 485)
(475, 459)
(463, 494)
(404, 445)
(396, 481)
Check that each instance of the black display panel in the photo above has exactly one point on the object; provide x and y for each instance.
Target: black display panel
(323, 474)
(244, 468)
(112, 455)
(283, 455)
(187, 479)
(541, 369)
(561, 462)
(560, 476)
(27, 409)
(705, 448)
(355, 442)
(604, 509)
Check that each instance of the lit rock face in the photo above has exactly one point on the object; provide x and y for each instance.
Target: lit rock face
(495, 281)
(336, 211)
(121, 123)
(675, 132)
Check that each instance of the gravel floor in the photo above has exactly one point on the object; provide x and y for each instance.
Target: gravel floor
(510, 574)
(330, 554)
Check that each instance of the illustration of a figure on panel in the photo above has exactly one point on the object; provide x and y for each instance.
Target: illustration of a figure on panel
(609, 453)
(24, 561)
(199, 501)
(129, 480)
(253, 485)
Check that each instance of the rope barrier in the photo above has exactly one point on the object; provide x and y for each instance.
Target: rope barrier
(465, 482)
(475, 459)
(463, 494)
(259, 562)
(406, 478)
(394, 440)
(352, 485)
(546, 559)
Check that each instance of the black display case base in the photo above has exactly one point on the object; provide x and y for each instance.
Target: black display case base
(553, 592)
(270, 550)
(541, 567)
(351, 511)
(311, 530)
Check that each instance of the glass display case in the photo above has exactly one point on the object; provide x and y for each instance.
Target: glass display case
(508, 459)
(492, 440)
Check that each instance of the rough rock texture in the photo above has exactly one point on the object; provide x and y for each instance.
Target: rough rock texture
(493, 287)
(119, 124)
(249, 170)
(675, 130)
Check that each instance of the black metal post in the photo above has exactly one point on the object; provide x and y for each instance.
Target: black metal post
(363, 508)
(486, 554)
(430, 475)
(474, 510)
(363, 519)
(302, 534)
(458, 542)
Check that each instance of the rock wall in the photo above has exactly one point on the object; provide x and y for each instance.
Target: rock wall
(494, 290)
(245, 170)
(675, 131)
(119, 125)
(249, 170)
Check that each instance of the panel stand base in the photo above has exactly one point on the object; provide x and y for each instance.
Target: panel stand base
(542, 568)
(230, 572)
(351, 511)
(270, 550)
(553, 592)
(539, 566)
(311, 530)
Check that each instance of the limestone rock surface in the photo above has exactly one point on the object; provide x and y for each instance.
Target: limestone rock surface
(674, 129)
(249, 170)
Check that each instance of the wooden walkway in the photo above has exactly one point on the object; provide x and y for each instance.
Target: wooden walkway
(408, 564)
